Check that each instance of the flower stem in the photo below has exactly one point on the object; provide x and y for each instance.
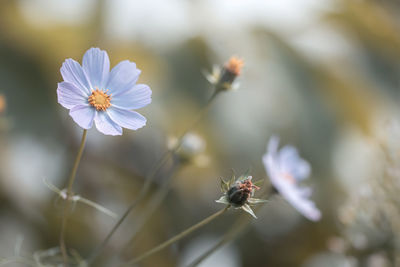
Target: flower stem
(233, 232)
(238, 228)
(155, 202)
(149, 179)
(176, 237)
(69, 193)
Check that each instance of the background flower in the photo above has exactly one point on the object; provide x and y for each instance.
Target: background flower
(285, 169)
(93, 93)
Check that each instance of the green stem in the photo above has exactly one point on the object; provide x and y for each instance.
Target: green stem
(155, 202)
(149, 179)
(238, 228)
(176, 237)
(69, 193)
(233, 232)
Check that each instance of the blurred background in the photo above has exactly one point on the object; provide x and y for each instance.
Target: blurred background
(324, 75)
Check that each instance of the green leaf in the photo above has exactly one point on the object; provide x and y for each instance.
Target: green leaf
(247, 172)
(253, 201)
(223, 200)
(233, 178)
(247, 209)
(224, 186)
(259, 183)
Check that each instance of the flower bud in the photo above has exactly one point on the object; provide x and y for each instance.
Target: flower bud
(223, 78)
(230, 71)
(191, 149)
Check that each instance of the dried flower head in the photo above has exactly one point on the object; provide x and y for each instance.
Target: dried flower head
(2, 103)
(93, 93)
(239, 193)
(286, 169)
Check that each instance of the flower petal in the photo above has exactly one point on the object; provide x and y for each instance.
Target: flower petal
(122, 77)
(73, 73)
(106, 125)
(293, 164)
(126, 118)
(136, 97)
(69, 96)
(272, 168)
(96, 65)
(295, 196)
(247, 209)
(83, 115)
(273, 143)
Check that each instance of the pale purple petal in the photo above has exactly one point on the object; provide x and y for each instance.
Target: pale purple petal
(106, 125)
(291, 162)
(272, 147)
(134, 98)
(83, 115)
(272, 168)
(122, 77)
(69, 96)
(305, 206)
(302, 169)
(96, 65)
(305, 192)
(126, 118)
(73, 73)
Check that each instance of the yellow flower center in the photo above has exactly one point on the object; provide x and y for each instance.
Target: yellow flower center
(288, 177)
(100, 99)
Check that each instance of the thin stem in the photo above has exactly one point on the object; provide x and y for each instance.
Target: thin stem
(233, 232)
(237, 229)
(155, 202)
(176, 237)
(69, 193)
(76, 163)
(149, 179)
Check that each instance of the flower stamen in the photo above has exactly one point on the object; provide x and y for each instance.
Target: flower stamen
(100, 99)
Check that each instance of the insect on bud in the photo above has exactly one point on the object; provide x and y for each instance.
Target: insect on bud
(239, 193)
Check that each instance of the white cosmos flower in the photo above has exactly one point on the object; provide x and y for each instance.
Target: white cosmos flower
(286, 169)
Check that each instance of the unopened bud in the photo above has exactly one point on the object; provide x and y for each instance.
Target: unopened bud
(234, 66)
(223, 78)
(230, 71)
(191, 148)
